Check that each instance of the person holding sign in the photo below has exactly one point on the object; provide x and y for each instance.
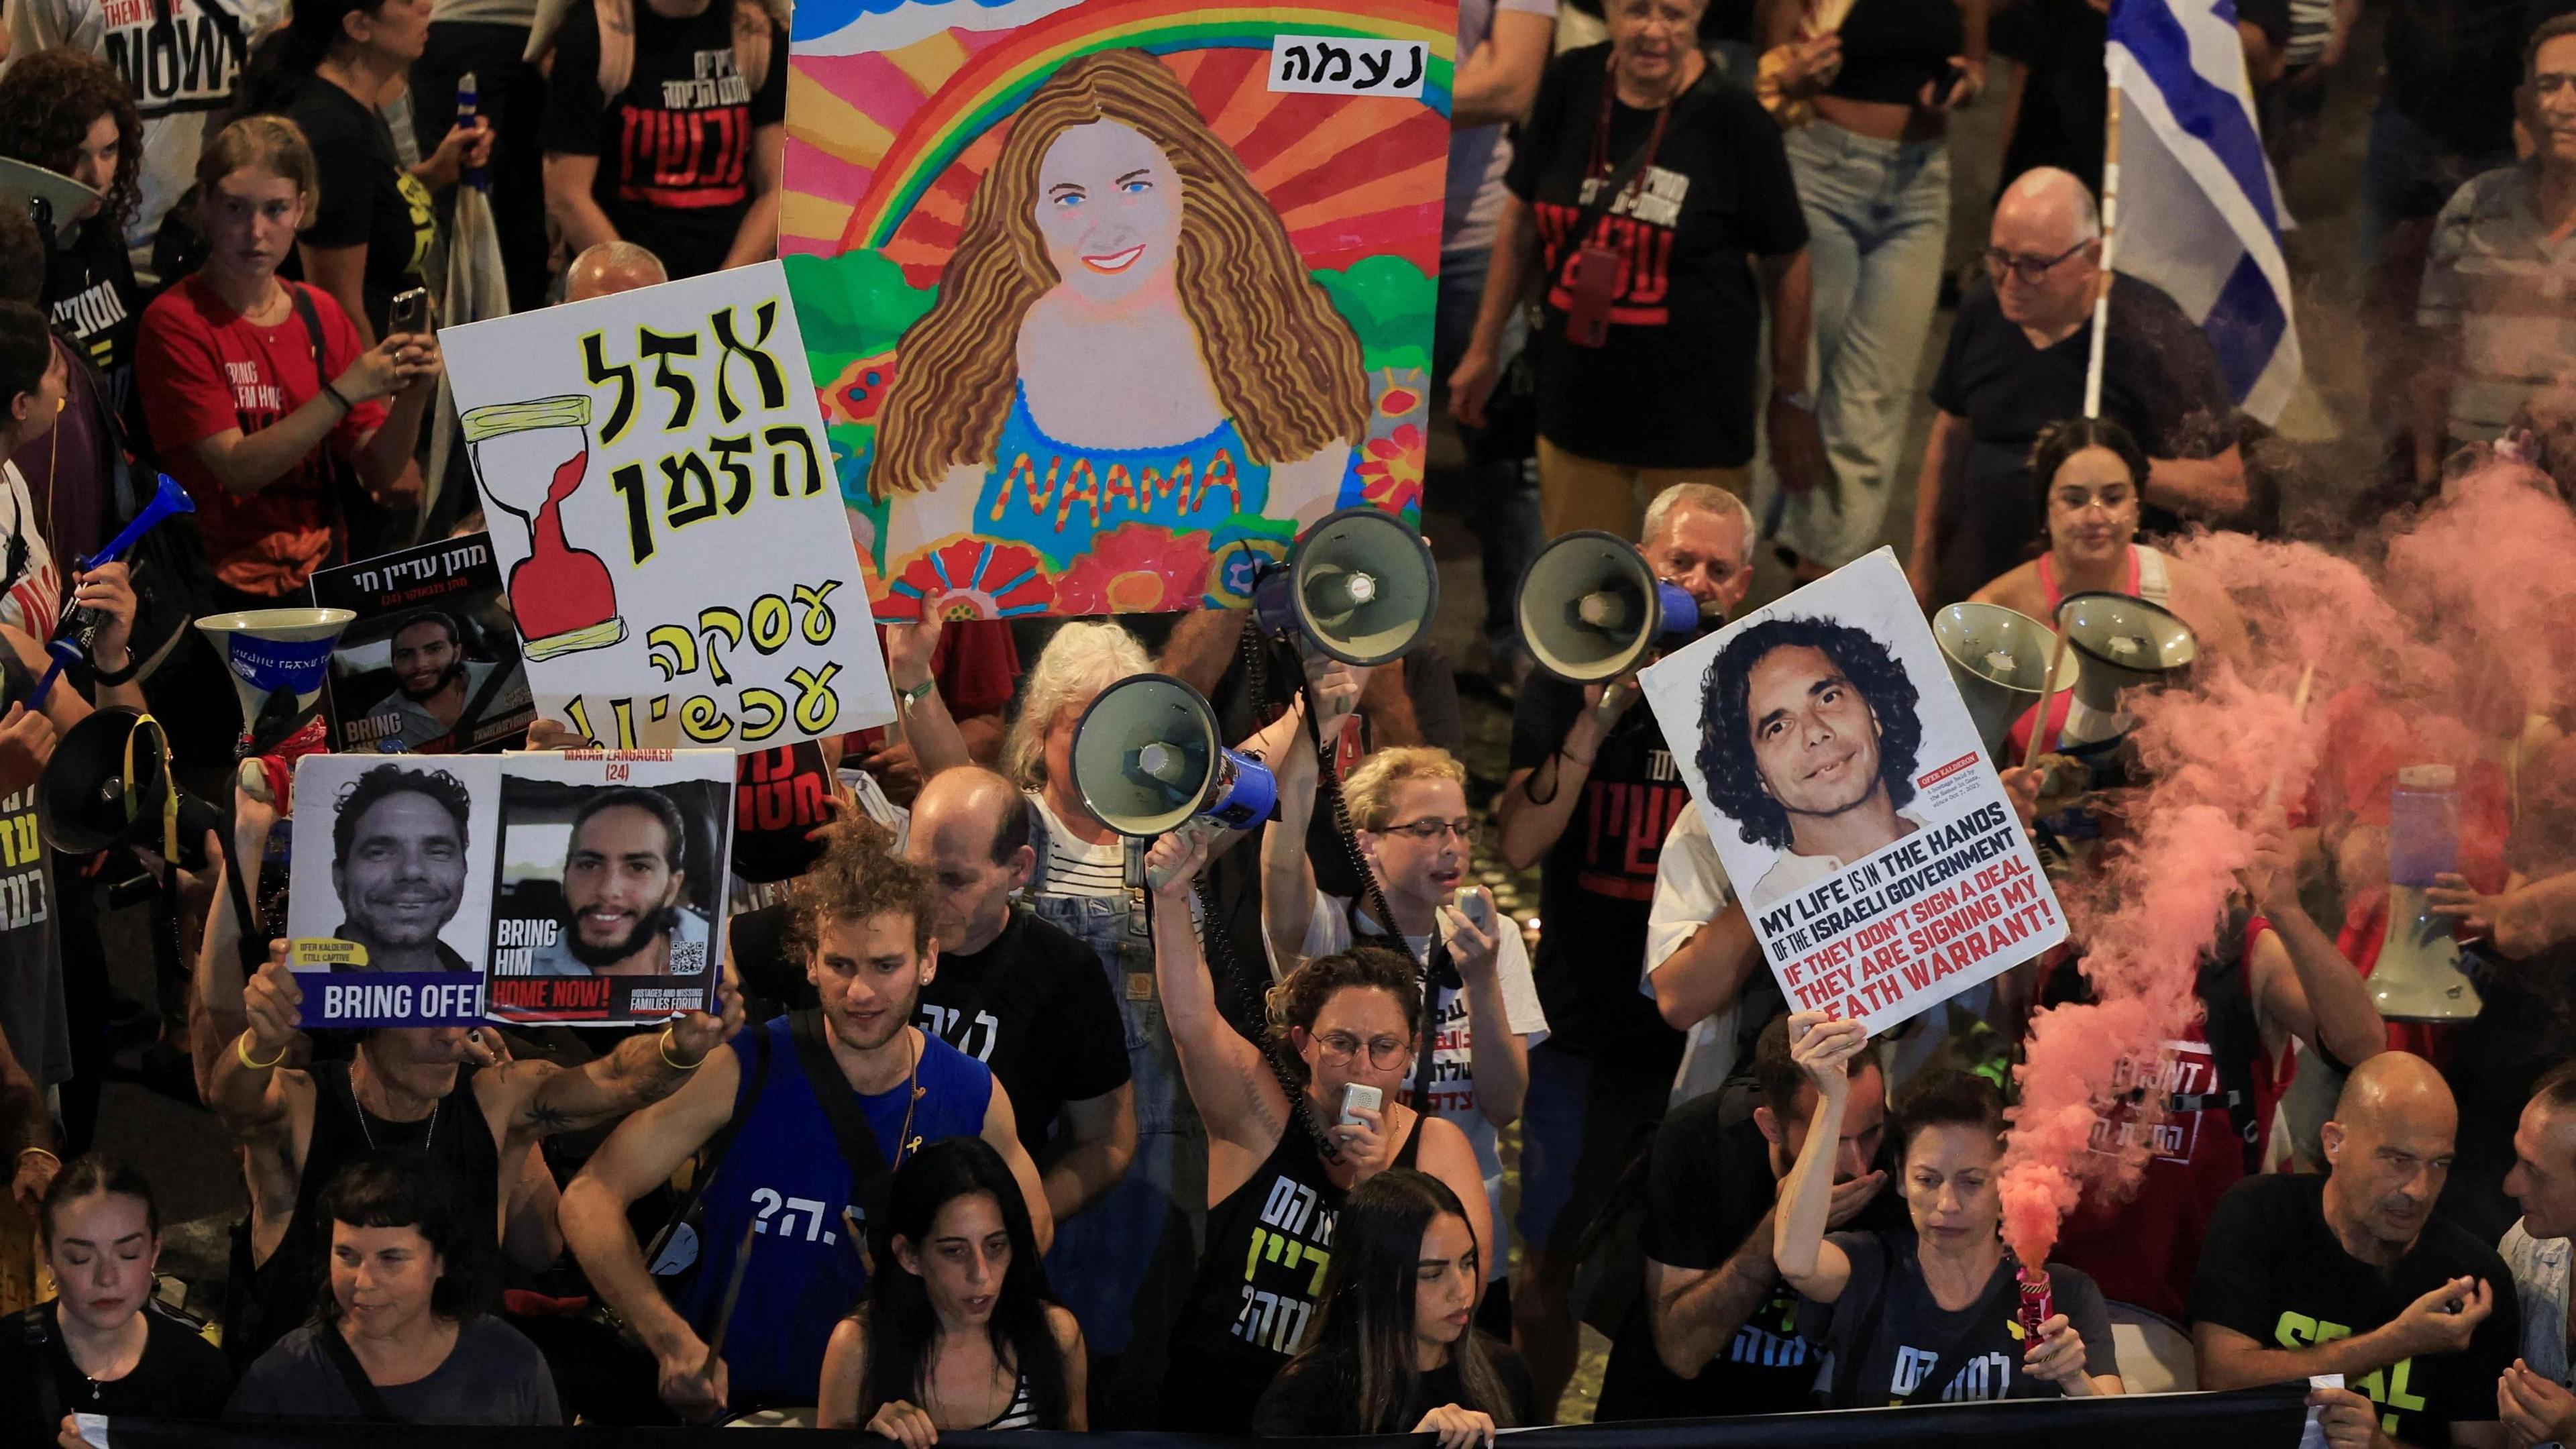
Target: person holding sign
(1926, 1315)
(452, 1092)
(1808, 744)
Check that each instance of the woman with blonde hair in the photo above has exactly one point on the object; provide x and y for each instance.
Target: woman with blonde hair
(1123, 334)
(262, 398)
(1408, 815)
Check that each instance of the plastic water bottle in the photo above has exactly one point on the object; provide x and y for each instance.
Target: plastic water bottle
(2423, 825)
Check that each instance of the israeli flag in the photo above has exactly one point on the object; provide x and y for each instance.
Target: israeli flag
(2199, 213)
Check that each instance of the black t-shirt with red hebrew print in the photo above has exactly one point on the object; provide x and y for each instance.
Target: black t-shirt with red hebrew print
(1673, 387)
(674, 147)
(1596, 885)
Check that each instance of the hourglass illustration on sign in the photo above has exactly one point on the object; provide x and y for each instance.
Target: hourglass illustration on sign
(530, 457)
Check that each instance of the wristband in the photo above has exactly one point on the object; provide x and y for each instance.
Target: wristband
(663, 1044)
(111, 677)
(908, 698)
(332, 391)
(1573, 758)
(41, 1152)
(241, 1049)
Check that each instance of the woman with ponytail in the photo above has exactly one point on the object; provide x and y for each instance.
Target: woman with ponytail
(327, 70)
(1396, 1350)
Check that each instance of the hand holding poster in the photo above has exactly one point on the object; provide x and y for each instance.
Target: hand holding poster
(431, 664)
(1849, 799)
(578, 887)
(662, 508)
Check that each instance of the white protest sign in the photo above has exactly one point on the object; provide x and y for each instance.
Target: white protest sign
(663, 507)
(1844, 787)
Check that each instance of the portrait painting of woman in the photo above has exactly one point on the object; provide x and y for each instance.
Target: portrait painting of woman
(1123, 337)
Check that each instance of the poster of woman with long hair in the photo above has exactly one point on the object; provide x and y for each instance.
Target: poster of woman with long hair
(1119, 303)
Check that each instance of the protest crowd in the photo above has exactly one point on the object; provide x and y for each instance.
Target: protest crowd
(1465, 1088)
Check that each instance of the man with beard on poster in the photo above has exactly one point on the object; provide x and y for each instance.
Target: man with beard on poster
(1807, 744)
(625, 877)
(433, 682)
(398, 866)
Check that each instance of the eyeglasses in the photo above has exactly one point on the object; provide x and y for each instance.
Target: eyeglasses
(2029, 269)
(1465, 830)
(1341, 1046)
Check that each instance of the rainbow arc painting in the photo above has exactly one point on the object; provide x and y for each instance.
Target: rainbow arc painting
(1106, 299)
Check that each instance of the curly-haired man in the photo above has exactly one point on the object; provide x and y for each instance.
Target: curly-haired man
(1808, 743)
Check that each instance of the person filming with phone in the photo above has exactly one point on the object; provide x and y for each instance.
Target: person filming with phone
(1292, 1128)
(1408, 813)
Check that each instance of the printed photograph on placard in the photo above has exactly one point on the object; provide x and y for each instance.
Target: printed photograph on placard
(1850, 800)
(1107, 298)
(389, 897)
(431, 664)
(609, 907)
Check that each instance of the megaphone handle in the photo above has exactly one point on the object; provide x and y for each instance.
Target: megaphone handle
(2047, 699)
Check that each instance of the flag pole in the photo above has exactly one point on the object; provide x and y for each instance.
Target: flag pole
(2110, 245)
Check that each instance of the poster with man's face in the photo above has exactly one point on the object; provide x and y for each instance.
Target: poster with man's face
(389, 896)
(609, 906)
(1857, 815)
(431, 664)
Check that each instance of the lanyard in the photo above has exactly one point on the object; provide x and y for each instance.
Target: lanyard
(1638, 166)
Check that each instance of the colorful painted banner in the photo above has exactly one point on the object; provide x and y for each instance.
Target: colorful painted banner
(1106, 299)
(675, 556)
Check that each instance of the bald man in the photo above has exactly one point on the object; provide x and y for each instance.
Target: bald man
(1021, 995)
(2016, 363)
(2352, 1274)
(606, 268)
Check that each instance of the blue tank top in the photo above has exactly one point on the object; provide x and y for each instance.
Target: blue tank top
(785, 1175)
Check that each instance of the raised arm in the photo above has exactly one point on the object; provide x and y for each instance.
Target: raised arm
(1824, 1050)
(1287, 875)
(1238, 1098)
(928, 728)
(638, 1157)
(1537, 803)
(530, 1100)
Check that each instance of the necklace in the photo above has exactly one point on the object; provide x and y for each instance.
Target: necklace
(429, 1132)
(904, 1141)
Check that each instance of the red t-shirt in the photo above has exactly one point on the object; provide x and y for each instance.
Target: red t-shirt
(2145, 1250)
(205, 369)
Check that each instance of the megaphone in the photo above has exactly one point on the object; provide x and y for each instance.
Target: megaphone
(1358, 585)
(277, 658)
(78, 629)
(2418, 975)
(1147, 760)
(1999, 658)
(1591, 609)
(2125, 643)
(109, 783)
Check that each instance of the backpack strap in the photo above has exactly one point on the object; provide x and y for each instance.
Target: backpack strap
(869, 1169)
(353, 1375)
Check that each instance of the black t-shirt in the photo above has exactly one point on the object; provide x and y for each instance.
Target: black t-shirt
(2065, 95)
(1597, 883)
(2273, 1270)
(368, 199)
(1983, 1341)
(1710, 1186)
(2160, 380)
(92, 299)
(1317, 1397)
(1037, 1010)
(1673, 388)
(180, 1376)
(674, 147)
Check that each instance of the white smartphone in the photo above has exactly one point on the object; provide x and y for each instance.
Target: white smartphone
(1355, 1095)
(1477, 907)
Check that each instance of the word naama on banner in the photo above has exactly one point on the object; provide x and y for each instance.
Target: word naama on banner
(642, 455)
